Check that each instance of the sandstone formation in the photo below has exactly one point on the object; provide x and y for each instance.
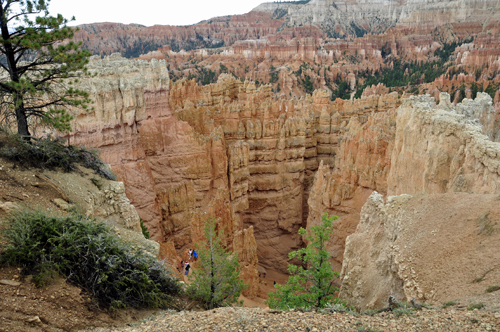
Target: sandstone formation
(133, 39)
(267, 161)
(177, 178)
(439, 149)
(341, 18)
(101, 199)
(232, 151)
(408, 246)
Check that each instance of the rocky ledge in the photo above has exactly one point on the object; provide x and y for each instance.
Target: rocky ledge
(247, 319)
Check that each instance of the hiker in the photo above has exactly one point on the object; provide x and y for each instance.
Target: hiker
(195, 255)
(182, 267)
(187, 267)
(190, 253)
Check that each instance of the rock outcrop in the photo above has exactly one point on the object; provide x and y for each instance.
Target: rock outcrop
(439, 148)
(434, 248)
(432, 245)
(229, 149)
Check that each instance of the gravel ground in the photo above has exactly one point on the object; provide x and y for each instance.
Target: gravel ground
(250, 319)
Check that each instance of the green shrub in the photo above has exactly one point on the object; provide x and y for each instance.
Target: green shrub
(88, 255)
(144, 230)
(475, 306)
(48, 153)
(312, 284)
(216, 282)
(492, 289)
(449, 304)
(403, 308)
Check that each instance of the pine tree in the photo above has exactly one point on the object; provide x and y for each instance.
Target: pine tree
(216, 281)
(310, 285)
(40, 68)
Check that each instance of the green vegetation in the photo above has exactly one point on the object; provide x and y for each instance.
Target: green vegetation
(216, 281)
(138, 47)
(447, 50)
(88, 255)
(274, 74)
(492, 289)
(307, 84)
(404, 308)
(52, 153)
(144, 229)
(491, 89)
(41, 69)
(449, 304)
(313, 283)
(343, 91)
(475, 306)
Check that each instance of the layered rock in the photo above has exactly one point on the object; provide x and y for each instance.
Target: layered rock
(177, 178)
(341, 18)
(362, 165)
(284, 141)
(438, 149)
(133, 40)
(408, 246)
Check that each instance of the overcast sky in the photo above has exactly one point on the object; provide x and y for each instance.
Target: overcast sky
(149, 12)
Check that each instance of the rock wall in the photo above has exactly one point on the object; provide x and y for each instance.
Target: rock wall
(341, 18)
(431, 245)
(361, 165)
(176, 177)
(284, 140)
(440, 148)
(230, 150)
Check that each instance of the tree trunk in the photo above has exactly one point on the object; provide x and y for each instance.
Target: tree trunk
(22, 122)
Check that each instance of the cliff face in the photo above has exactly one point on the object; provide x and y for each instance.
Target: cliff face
(264, 164)
(361, 165)
(408, 246)
(339, 18)
(229, 150)
(439, 149)
(132, 40)
(174, 176)
(285, 141)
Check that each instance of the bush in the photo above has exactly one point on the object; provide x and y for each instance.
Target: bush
(216, 281)
(88, 255)
(492, 289)
(144, 229)
(48, 153)
(449, 304)
(404, 309)
(475, 306)
(313, 283)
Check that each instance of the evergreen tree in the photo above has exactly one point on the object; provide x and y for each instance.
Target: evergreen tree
(40, 68)
(216, 280)
(310, 285)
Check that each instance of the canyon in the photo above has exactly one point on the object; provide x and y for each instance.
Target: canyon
(242, 119)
